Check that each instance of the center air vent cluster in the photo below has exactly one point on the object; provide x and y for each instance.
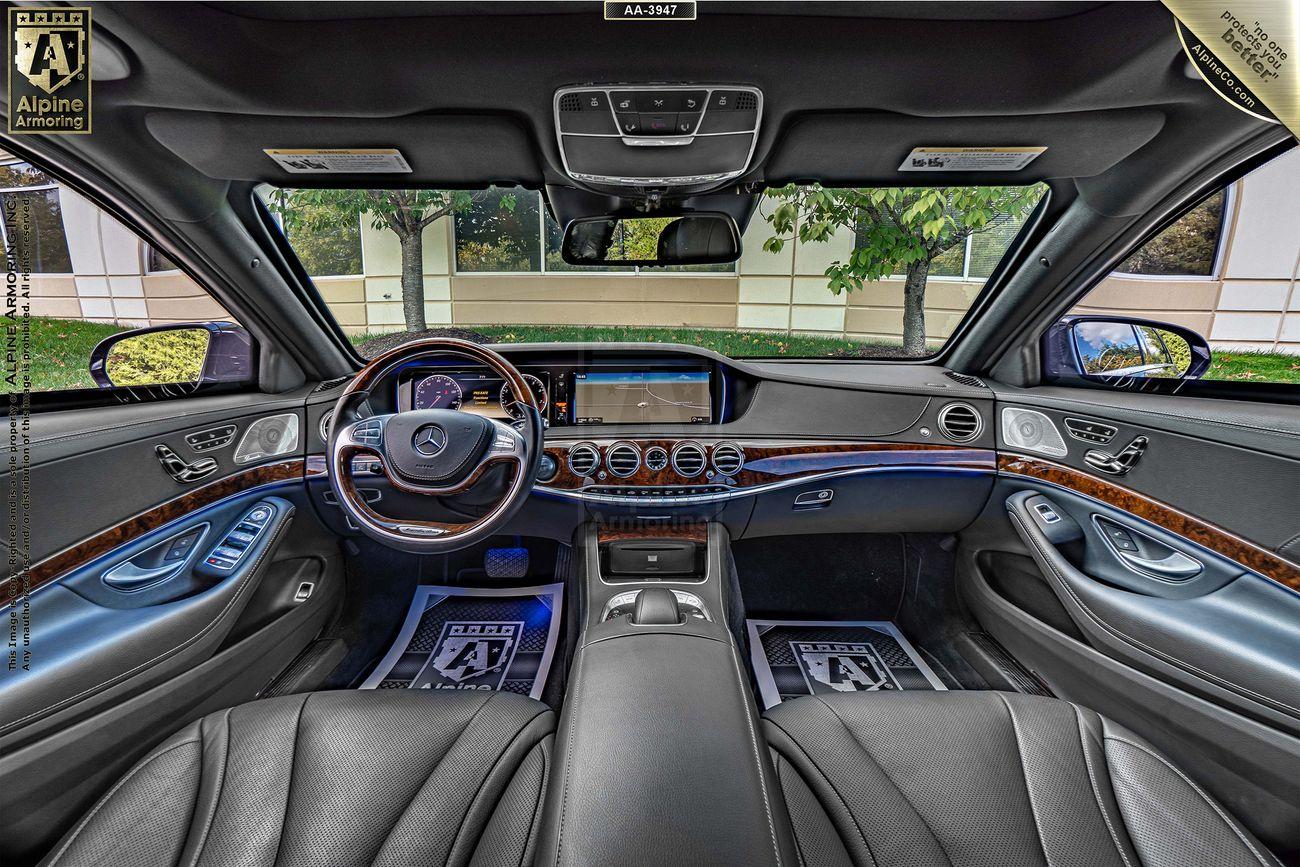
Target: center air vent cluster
(625, 458)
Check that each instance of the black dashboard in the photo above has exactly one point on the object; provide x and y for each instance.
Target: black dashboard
(573, 392)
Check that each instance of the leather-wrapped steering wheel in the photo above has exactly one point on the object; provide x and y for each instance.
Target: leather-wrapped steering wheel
(434, 452)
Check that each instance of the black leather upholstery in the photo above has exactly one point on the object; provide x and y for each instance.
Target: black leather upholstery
(980, 778)
(337, 778)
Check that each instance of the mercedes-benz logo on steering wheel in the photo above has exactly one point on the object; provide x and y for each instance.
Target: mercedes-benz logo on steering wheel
(429, 440)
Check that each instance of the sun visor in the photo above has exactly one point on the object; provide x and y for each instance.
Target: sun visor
(441, 150)
(860, 148)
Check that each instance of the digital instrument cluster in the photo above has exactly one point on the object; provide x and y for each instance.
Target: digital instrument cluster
(478, 392)
(598, 394)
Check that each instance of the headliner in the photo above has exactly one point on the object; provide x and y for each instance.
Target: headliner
(187, 95)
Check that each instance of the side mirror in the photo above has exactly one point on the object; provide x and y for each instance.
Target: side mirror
(1108, 348)
(696, 239)
(191, 353)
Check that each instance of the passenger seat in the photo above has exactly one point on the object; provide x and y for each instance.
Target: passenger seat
(984, 778)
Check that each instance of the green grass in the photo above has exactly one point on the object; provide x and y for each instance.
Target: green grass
(732, 343)
(1254, 367)
(60, 351)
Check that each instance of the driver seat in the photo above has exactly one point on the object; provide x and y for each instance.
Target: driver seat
(341, 778)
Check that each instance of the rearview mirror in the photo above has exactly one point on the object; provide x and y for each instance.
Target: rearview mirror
(193, 353)
(698, 239)
(1100, 347)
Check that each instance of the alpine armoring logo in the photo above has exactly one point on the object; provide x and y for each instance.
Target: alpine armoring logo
(49, 71)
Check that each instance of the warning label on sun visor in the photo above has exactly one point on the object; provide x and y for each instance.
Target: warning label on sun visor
(339, 161)
(950, 159)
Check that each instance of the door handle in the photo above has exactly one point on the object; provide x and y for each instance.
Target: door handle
(180, 469)
(1175, 567)
(1116, 465)
(158, 562)
(129, 576)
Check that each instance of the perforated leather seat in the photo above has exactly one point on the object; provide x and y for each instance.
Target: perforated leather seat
(987, 778)
(333, 778)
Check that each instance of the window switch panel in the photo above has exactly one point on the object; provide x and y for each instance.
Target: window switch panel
(230, 551)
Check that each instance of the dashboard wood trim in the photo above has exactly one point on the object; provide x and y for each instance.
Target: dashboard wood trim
(696, 531)
(770, 461)
(59, 564)
(1248, 554)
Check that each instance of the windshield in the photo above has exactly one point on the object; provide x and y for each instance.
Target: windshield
(825, 273)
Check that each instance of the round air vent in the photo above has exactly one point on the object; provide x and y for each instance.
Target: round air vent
(688, 459)
(960, 422)
(584, 460)
(623, 459)
(326, 423)
(656, 459)
(728, 458)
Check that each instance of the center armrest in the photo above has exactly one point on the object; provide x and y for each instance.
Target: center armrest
(660, 758)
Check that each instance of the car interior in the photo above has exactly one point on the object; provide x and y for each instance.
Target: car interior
(1016, 598)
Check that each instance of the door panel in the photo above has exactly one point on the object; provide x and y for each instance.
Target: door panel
(96, 637)
(106, 461)
(1164, 593)
(1224, 633)
(134, 629)
(1203, 460)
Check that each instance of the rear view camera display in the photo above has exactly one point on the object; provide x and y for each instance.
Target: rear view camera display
(643, 397)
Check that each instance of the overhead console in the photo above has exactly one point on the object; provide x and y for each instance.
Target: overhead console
(657, 135)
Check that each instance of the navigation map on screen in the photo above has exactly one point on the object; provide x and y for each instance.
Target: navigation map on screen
(681, 396)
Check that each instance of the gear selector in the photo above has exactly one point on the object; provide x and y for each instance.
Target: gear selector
(656, 606)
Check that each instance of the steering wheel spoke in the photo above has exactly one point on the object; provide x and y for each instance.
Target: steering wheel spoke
(364, 434)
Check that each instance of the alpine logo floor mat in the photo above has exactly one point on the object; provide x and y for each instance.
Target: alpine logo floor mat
(802, 657)
(474, 638)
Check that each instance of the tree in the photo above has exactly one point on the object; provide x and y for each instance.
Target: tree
(898, 229)
(407, 213)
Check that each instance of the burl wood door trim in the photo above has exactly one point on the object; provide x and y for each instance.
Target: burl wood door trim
(75, 556)
(1248, 554)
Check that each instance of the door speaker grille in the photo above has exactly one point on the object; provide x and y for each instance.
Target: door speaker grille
(1031, 431)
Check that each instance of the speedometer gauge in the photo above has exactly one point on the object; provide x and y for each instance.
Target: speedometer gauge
(511, 406)
(438, 392)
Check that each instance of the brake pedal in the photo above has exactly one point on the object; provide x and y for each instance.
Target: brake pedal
(506, 562)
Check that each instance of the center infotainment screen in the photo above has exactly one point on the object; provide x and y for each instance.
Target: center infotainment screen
(637, 397)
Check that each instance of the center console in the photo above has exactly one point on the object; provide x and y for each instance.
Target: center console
(660, 753)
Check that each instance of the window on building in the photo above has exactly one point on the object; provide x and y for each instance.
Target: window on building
(500, 231)
(328, 252)
(31, 219)
(156, 261)
(1187, 248)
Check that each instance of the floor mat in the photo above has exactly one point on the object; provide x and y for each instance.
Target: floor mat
(474, 638)
(811, 657)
